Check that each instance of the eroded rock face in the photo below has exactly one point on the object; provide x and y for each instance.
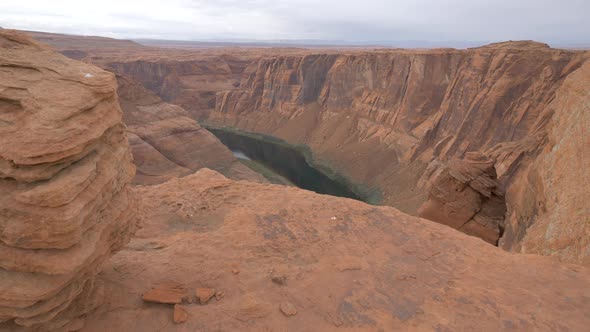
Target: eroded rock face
(465, 196)
(551, 213)
(65, 166)
(167, 143)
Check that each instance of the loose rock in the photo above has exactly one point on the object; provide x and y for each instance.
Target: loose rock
(204, 294)
(279, 280)
(288, 309)
(166, 293)
(180, 314)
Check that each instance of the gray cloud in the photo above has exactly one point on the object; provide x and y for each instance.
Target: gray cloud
(368, 20)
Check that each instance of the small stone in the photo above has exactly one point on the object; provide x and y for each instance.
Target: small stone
(166, 293)
(235, 271)
(190, 300)
(180, 314)
(219, 295)
(279, 280)
(204, 294)
(288, 309)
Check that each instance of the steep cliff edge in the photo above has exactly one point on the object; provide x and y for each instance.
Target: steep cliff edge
(65, 165)
(391, 119)
(167, 143)
(336, 264)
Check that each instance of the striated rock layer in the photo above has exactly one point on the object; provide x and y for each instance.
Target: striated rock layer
(464, 195)
(550, 194)
(190, 83)
(392, 119)
(167, 143)
(65, 165)
(340, 264)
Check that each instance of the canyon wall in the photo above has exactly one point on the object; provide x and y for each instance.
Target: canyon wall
(65, 204)
(550, 210)
(167, 143)
(392, 119)
(189, 83)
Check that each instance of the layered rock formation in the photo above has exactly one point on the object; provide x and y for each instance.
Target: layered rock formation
(167, 143)
(465, 196)
(342, 265)
(390, 118)
(65, 205)
(191, 84)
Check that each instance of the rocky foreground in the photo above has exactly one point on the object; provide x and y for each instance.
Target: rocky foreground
(284, 259)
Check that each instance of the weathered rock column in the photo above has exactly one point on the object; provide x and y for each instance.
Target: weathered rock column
(65, 166)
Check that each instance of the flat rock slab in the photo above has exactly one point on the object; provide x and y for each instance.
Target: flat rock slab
(373, 268)
(166, 293)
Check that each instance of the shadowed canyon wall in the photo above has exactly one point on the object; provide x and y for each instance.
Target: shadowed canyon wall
(191, 84)
(65, 204)
(392, 119)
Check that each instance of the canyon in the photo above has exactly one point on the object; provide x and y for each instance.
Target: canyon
(491, 141)
(387, 122)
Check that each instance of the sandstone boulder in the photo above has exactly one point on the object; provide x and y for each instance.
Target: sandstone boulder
(65, 165)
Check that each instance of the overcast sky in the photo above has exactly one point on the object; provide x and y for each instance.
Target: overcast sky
(553, 21)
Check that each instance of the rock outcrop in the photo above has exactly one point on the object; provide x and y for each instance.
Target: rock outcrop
(340, 263)
(65, 204)
(388, 118)
(465, 196)
(167, 143)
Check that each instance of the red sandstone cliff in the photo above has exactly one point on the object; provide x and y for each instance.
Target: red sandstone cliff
(550, 210)
(391, 119)
(65, 204)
